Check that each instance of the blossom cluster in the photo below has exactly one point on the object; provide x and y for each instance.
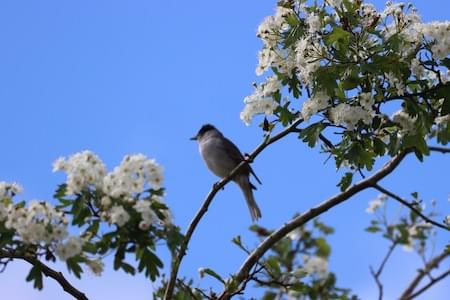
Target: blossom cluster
(9, 189)
(120, 187)
(40, 223)
(300, 40)
(376, 203)
(114, 197)
(261, 101)
(132, 175)
(83, 169)
(316, 265)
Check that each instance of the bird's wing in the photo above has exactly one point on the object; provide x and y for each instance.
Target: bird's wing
(237, 157)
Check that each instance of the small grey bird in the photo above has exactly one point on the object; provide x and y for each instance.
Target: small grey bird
(222, 156)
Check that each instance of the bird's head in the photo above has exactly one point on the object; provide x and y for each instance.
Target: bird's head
(207, 128)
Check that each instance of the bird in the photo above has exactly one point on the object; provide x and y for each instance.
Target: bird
(221, 157)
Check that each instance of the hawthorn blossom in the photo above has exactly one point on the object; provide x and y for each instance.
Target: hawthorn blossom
(119, 216)
(376, 203)
(345, 114)
(70, 248)
(132, 176)
(83, 169)
(96, 266)
(406, 122)
(39, 223)
(261, 101)
(316, 265)
(316, 103)
(9, 189)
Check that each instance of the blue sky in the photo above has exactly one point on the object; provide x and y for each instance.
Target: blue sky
(120, 77)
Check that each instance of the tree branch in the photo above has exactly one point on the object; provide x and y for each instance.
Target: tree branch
(443, 150)
(411, 206)
(434, 263)
(48, 272)
(212, 193)
(300, 220)
(430, 284)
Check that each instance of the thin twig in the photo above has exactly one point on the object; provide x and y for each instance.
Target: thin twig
(411, 206)
(376, 275)
(300, 220)
(434, 263)
(430, 284)
(204, 208)
(48, 272)
(443, 150)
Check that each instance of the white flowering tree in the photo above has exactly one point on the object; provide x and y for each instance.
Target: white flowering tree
(358, 83)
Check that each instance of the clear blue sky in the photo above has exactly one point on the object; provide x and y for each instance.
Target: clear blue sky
(120, 77)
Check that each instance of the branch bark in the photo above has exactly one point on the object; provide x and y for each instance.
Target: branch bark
(300, 220)
(48, 272)
(176, 262)
(434, 263)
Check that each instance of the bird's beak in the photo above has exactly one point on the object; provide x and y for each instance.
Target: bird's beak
(194, 138)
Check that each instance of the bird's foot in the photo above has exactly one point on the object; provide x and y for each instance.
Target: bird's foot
(216, 186)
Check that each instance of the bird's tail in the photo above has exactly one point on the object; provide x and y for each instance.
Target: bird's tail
(246, 187)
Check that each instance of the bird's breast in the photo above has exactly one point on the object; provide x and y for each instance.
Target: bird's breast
(215, 157)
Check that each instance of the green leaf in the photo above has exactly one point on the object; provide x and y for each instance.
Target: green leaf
(373, 229)
(273, 265)
(213, 274)
(237, 240)
(323, 249)
(174, 238)
(60, 191)
(446, 62)
(128, 268)
(346, 180)
(73, 265)
(35, 275)
(416, 142)
(311, 133)
(338, 38)
(269, 296)
(378, 146)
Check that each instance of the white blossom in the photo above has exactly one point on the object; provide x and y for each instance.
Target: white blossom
(447, 220)
(9, 189)
(345, 114)
(335, 3)
(376, 203)
(39, 223)
(70, 248)
(147, 214)
(439, 32)
(316, 265)
(413, 231)
(366, 100)
(313, 21)
(83, 170)
(319, 101)
(261, 101)
(295, 234)
(406, 122)
(3, 212)
(105, 202)
(132, 176)
(119, 216)
(396, 83)
(96, 266)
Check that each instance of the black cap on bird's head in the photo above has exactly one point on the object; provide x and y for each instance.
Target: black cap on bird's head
(205, 128)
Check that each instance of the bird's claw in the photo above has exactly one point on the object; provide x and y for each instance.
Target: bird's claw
(248, 158)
